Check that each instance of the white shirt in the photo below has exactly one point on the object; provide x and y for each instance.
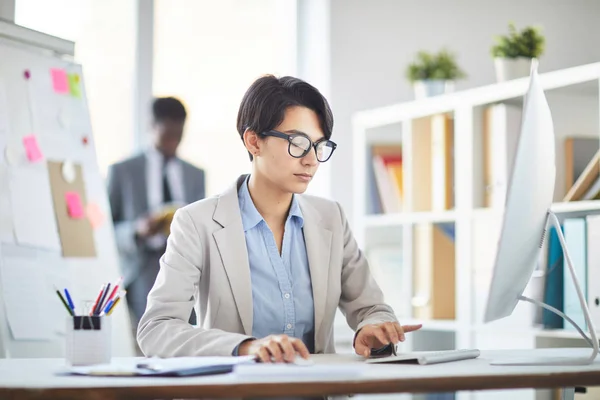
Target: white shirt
(154, 181)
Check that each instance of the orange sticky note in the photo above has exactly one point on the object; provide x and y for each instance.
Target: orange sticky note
(60, 81)
(32, 149)
(74, 206)
(94, 215)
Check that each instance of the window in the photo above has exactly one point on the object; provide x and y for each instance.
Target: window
(104, 36)
(207, 53)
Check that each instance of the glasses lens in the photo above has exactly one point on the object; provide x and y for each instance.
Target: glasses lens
(299, 145)
(324, 150)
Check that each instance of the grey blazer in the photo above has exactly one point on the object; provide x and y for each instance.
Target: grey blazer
(206, 266)
(128, 196)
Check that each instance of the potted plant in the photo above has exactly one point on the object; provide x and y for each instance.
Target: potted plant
(432, 74)
(513, 53)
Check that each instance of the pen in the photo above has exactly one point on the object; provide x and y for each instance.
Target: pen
(64, 302)
(113, 306)
(101, 304)
(70, 300)
(114, 291)
(97, 300)
(108, 305)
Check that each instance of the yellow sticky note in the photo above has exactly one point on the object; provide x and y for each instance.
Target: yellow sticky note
(94, 215)
(74, 85)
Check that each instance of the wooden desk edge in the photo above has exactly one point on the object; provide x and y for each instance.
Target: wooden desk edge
(306, 388)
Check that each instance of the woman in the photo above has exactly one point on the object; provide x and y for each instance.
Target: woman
(265, 266)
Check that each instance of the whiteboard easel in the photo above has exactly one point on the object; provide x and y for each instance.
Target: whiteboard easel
(23, 49)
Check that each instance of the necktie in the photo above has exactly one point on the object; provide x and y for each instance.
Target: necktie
(166, 190)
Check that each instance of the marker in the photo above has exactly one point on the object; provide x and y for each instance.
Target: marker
(112, 308)
(70, 300)
(97, 300)
(114, 291)
(64, 303)
(107, 308)
(102, 299)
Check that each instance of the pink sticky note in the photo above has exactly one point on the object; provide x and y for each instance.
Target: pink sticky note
(94, 215)
(60, 80)
(32, 149)
(74, 206)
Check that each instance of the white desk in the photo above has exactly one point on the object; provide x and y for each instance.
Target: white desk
(24, 379)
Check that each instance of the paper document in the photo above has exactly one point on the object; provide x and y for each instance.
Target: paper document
(58, 276)
(26, 298)
(163, 366)
(6, 221)
(33, 209)
(4, 124)
(46, 104)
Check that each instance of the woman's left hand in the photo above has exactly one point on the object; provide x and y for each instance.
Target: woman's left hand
(379, 335)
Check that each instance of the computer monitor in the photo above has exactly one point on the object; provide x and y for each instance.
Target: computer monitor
(525, 221)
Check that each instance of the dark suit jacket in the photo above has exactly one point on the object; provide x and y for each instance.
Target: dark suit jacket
(128, 197)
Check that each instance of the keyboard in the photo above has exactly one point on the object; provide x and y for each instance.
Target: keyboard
(427, 357)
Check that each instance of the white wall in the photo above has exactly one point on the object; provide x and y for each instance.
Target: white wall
(208, 53)
(313, 65)
(373, 41)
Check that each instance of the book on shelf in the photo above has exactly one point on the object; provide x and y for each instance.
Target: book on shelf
(501, 129)
(386, 161)
(582, 235)
(434, 273)
(553, 290)
(579, 150)
(593, 267)
(442, 162)
(585, 184)
(576, 241)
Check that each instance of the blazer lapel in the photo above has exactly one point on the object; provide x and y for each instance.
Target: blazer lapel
(318, 249)
(231, 243)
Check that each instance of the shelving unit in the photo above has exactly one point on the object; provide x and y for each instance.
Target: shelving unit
(403, 123)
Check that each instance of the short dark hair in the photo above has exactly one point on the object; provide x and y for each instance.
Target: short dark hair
(168, 108)
(266, 100)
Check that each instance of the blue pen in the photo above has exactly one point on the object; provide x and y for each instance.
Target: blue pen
(108, 305)
(70, 300)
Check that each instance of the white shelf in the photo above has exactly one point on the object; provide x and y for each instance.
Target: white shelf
(558, 208)
(575, 206)
(381, 124)
(474, 97)
(400, 219)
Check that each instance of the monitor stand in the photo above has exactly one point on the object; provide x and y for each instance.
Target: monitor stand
(593, 341)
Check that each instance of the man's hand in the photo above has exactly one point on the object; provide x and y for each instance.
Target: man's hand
(277, 348)
(379, 335)
(148, 226)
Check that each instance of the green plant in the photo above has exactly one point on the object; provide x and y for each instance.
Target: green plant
(431, 66)
(528, 43)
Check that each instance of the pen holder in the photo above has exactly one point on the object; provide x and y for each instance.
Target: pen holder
(88, 340)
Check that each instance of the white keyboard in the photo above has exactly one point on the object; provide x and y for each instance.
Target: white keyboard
(428, 357)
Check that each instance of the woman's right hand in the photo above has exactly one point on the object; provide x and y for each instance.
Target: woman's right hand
(274, 348)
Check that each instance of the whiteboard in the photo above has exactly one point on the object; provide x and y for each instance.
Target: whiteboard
(29, 269)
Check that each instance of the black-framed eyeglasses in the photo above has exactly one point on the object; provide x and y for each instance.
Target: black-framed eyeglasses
(299, 144)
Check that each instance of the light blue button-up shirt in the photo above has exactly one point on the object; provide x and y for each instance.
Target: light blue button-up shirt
(282, 301)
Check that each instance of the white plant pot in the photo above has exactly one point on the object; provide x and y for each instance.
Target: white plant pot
(429, 88)
(512, 68)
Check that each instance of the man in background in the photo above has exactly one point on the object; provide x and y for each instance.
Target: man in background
(144, 191)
